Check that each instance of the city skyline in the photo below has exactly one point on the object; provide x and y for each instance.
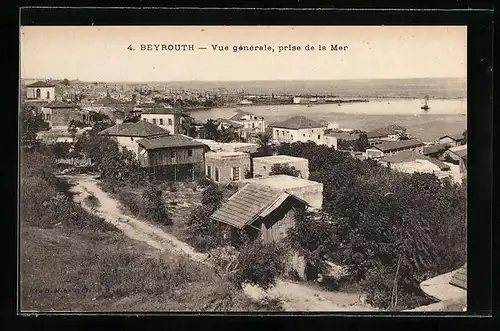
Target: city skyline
(95, 53)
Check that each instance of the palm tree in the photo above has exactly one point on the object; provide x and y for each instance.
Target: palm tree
(264, 140)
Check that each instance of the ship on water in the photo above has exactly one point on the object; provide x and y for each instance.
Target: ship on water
(425, 107)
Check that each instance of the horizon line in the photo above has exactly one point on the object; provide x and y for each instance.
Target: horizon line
(239, 81)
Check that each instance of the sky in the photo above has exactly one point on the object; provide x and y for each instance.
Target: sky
(99, 53)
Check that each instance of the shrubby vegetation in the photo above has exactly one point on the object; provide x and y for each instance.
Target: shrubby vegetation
(154, 208)
(284, 169)
(384, 226)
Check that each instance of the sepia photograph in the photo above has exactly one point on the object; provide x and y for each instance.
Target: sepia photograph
(242, 169)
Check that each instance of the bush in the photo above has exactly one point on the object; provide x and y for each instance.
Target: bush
(204, 182)
(284, 169)
(204, 233)
(212, 196)
(259, 263)
(130, 201)
(153, 206)
(92, 201)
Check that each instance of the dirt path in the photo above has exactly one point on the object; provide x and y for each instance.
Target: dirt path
(294, 296)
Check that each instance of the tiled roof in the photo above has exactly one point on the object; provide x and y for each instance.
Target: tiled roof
(298, 122)
(40, 84)
(59, 104)
(434, 149)
(455, 136)
(107, 100)
(159, 110)
(245, 205)
(385, 131)
(343, 135)
(229, 122)
(460, 151)
(459, 278)
(168, 141)
(137, 129)
(398, 144)
(239, 114)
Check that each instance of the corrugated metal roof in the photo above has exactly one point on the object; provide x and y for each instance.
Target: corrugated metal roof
(168, 141)
(398, 144)
(459, 278)
(245, 205)
(298, 122)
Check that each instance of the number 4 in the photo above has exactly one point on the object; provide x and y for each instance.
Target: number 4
(130, 48)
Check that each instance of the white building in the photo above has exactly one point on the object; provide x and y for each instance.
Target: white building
(128, 134)
(225, 167)
(41, 91)
(392, 147)
(165, 118)
(249, 121)
(299, 128)
(262, 166)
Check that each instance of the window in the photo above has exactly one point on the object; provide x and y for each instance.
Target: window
(154, 120)
(48, 95)
(216, 174)
(209, 171)
(304, 135)
(172, 155)
(169, 121)
(161, 121)
(236, 173)
(38, 93)
(131, 138)
(319, 136)
(190, 152)
(253, 125)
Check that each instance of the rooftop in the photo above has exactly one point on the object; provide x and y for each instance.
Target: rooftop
(298, 122)
(440, 288)
(59, 104)
(229, 122)
(281, 182)
(460, 151)
(436, 148)
(159, 110)
(224, 154)
(41, 84)
(279, 159)
(246, 205)
(398, 144)
(343, 135)
(386, 131)
(137, 129)
(239, 114)
(454, 136)
(108, 100)
(168, 141)
(459, 278)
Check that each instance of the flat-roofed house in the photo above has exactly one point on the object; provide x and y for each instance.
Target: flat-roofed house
(173, 157)
(262, 166)
(251, 124)
(299, 128)
(128, 134)
(224, 167)
(393, 147)
(261, 213)
(59, 114)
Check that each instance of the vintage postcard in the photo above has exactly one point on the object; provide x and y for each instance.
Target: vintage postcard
(243, 168)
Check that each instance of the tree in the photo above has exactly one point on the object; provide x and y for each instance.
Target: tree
(188, 127)
(132, 119)
(361, 144)
(284, 169)
(464, 139)
(31, 122)
(403, 136)
(65, 81)
(264, 140)
(212, 196)
(62, 150)
(211, 129)
(153, 206)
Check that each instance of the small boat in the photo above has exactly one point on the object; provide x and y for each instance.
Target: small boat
(425, 107)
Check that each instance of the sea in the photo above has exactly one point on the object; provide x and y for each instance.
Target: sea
(445, 116)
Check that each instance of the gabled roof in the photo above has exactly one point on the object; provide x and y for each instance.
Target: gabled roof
(239, 114)
(385, 131)
(298, 122)
(137, 129)
(59, 104)
(454, 136)
(432, 149)
(168, 141)
(107, 100)
(245, 206)
(397, 144)
(41, 84)
(229, 122)
(460, 151)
